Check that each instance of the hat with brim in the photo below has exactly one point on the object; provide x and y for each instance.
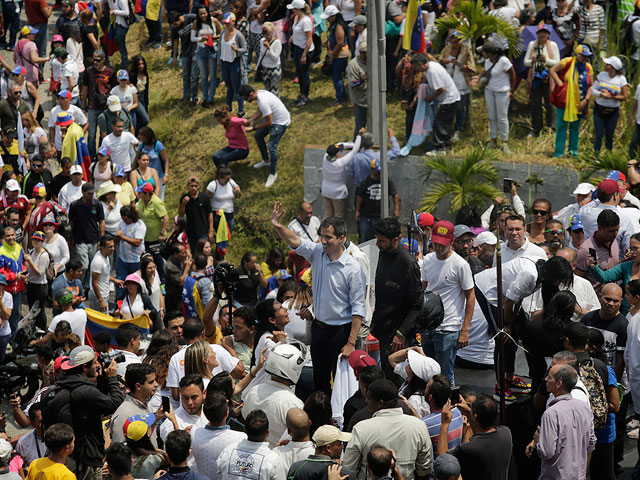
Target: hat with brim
(544, 28)
(6, 449)
(79, 356)
(614, 61)
(443, 232)
(608, 187)
(422, 366)
(330, 11)
(583, 189)
(327, 434)
(358, 359)
(64, 119)
(488, 238)
(584, 50)
(108, 187)
(133, 278)
(575, 222)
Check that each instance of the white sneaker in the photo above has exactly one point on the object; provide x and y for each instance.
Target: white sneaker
(455, 137)
(262, 164)
(505, 148)
(271, 179)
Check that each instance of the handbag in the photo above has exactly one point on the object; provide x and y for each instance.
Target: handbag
(605, 112)
(259, 75)
(558, 97)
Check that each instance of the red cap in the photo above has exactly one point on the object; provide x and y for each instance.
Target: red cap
(425, 219)
(608, 187)
(58, 362)
(358, 359)
(442, 233)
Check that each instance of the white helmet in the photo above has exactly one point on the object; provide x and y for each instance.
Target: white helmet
(286, 360)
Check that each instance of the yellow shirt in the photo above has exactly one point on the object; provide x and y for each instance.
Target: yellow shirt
(46, 469)
(127, 196)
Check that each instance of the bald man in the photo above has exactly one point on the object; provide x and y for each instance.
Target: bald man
(612, 324)
(300, 446)
(305, 225)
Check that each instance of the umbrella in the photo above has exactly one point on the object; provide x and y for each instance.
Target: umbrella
(527, 35)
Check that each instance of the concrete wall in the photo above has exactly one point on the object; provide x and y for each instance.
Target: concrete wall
(406, 173)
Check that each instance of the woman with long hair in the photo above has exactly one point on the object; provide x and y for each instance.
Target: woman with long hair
(302, 41)
(203, 247)
(159, 354)
(205, 35)
(142, 173)
(34, 134)
(232, 47)
(55, 244)
(139, 78)
(74, 44)
(150, 284)
(338, 49)
(158, 156)
(318, 408)
(101, 170)
(200, 358)
(238, 148)
(222, 191)
(273, 262)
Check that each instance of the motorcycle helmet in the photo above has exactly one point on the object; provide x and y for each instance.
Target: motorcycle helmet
(286, 360)
(431, 313)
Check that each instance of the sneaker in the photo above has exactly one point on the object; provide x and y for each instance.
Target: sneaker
(271, 179)
(262, 164)
(518, 384)
(436, 153)
(295, 80)
(455, 137)
(509, 397)
(156, 46)
(336, 103)
(505, 148)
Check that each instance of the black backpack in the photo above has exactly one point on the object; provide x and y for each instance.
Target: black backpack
(56, 406)
(627, 44)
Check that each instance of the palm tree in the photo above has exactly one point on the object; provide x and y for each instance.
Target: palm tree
(606, 160)
(468, 182)
(469, 18)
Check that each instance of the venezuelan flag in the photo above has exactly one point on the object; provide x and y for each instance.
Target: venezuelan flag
(413, 35)
(75, 147)
(97, 321)
(223, 234)
(109, 38)
(149, 9)
(192, 305)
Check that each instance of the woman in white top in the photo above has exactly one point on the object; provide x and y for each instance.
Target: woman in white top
(111, 206)
(102, 170)
(205, 35)
(34, 134)
(269, 59)
(200, 358)
(632, 350)
(55, 244)
(37, 261)
(135, 303)
(609, 90)
(127, 93)
(74, 45)
(120, 8)
(151, 282)
(232, 48)
(222, 191)
(335, 164)
(497, 92)
(302, 40)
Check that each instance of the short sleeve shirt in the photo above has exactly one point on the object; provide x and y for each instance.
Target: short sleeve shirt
(152, 214)
(270, 104)
(119, 148)
(437, 78)
(101, 265)
(299, 32)
(614, 332)
(136, 230)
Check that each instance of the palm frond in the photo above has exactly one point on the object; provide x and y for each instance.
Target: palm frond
(616, 160)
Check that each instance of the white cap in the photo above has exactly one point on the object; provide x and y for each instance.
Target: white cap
(5, 451)
(12, 185)
(299, 4)
(583, 189)
(422, 366)
(330, 11)
(76, 169)
(486, 237)
(113, 103)
(614, 61)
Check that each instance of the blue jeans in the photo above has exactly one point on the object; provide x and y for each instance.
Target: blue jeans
(11, 20)
(302, 71)
(207, 63)
(604, 127)
(365, 225)
(228, 154)
(14, 319)
(41, 41)
(121, 41)
(232, 76)
(93, 127)
(337, 71)
(140, 116)
(275, 133)
(442, 346)
(122, 270)
(361, 119)
(190, 71)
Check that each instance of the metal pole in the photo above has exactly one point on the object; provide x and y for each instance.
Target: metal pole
(501, 379)
(382, 104)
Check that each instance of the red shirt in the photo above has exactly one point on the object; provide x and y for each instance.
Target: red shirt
(21, 203)
(33, 9)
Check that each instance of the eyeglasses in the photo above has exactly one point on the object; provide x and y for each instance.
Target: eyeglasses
(554, 232)
(469, 241)
(539, 212)
(97, 59)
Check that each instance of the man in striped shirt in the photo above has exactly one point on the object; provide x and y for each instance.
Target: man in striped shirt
(437, 393)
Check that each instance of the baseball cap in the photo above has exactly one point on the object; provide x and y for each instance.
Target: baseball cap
(358, 20)
(6, 450)
(113, 103)
(327, 434)
(614, 61)
(79, 356)
(104, 151)
(27, 29)
(39, 190)
(63, 119)
(460, 230)
(446, 466)
(59, 52)
(65, 94)
(330, 11)
(575, 222)
(425, 219)
(136, 427)
(584, 50)
(76, 169)
(122, 75)
(283, 274)
(64, 297)
(3, 279)
(422, 366)
(88, 187)
(332, 150)
(486, 237)
(146, 187)
(18, 70)
(358, 359)
(118, 171)
(583, 189)
(543, 28)
(132, 277)
(616, 175)
(12, 185)
(57, 38)
(229, 17)
(443, 232)
(9, 132)
(299, 4)
(38, 236)
(608, 186)
(375, 164)
(58, 362)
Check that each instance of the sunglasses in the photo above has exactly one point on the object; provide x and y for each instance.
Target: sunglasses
(540, 212)
(554, 232)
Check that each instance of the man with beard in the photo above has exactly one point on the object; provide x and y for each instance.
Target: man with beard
(463, 242)
(485, 246)
(554, 236)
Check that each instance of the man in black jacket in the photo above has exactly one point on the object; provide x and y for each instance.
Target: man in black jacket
(85, 405)
(398, 293)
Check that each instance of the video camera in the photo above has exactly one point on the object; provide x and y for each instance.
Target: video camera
(226, 276)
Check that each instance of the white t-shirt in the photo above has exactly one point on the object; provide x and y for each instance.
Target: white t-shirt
(70, 69)
(137, 230)
(78, 116)
(129, 358)
(499, 81)
(613, 85)
(251, 460)
(519, 277)
(299, 32)
(42, 262)
(456, 73)
(101, 265)
(449, 278)
(207, 445)
(119, 148)
(268, 103)
(5, 327)
(481, 346)
(437, 78)
(77, 319)
(222, 195)
(69, 194)
(226, 363)
(125, 96)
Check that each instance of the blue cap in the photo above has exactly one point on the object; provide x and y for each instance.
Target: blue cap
(18, 70)
(584, 50)
(575, 222)
(460, 230)
(414, 244)
(104, 151)
(123, 75)
(616, 175)
(3, 280)
(283, 274)
(118, 171)
(375, 164)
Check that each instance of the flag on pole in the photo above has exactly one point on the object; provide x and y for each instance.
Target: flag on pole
(413, 35)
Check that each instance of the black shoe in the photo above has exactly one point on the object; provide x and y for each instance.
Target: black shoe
(206, 104)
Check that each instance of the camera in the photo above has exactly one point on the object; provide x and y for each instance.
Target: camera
(227, 276)
(539, 64)
(105, 359)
